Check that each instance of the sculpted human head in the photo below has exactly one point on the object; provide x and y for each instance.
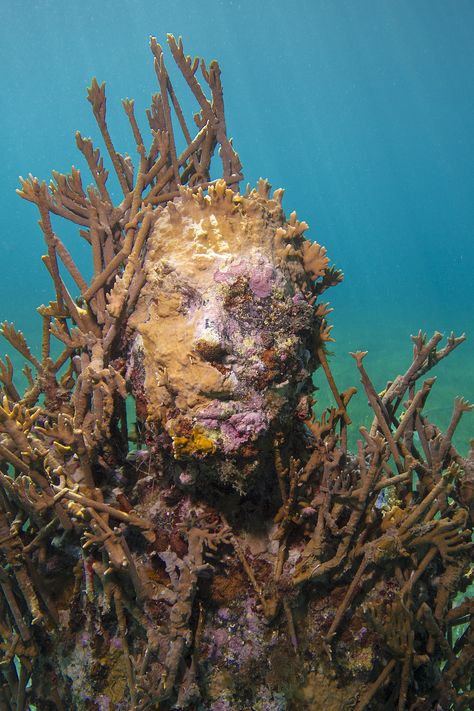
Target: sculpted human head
(224, 328)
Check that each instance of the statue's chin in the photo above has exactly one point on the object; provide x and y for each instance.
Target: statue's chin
(224, 473)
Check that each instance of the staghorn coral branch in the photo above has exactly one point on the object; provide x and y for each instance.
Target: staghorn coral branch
(425, 357)
(417, 402)
(51, 241)
(83, 318)
(17, 340)
(13, 459)
(390, 481)
(95, 236)
(188, 69)
(128, 105)
(69, 187)
(351, 590)
(46, 338)
(97, 99)
(61, 359)
(119, 611)
(436, 356)
(369, 694)
(230, 161)
(214, 114)
(105, 275)
(140, 184)
(100, 506)
(433, 628)
(22, 684)
(7, 589)
(163, 80)
(444, 484)
(28, 192)
(378, 408)
(122, 293)
(182, 123)
(96, 165)
(69, 263)
(327, 371)
(121, 257)
(154, 193)
(6, 378)
(460, 407)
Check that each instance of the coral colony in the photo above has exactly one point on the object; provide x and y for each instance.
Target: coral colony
(180, 527)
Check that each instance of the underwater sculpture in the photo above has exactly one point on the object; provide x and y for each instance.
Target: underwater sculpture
(226, 551)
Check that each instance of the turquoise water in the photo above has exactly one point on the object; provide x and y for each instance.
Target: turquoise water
(361, 110)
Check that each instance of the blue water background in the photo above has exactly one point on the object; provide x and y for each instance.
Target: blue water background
(363, 110)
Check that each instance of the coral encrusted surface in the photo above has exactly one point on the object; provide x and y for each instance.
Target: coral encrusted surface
(181, 525)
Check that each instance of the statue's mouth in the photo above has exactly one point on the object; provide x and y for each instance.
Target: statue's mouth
(222, 426)
(212, 420)
(226, 406)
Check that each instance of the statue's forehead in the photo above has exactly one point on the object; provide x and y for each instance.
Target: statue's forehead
(207, 270)
(198, 237)
(194, 228)
(202, 255)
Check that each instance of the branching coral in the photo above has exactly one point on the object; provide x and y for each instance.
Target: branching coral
(178, 527)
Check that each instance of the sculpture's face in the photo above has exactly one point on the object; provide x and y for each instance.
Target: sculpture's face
(222, 354)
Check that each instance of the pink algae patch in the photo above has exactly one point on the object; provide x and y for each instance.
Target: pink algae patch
(261, 282)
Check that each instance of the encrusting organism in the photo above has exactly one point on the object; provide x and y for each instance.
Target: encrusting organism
(180, 526)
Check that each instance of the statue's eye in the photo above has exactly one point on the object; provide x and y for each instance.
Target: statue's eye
(238, 293)
(191, 298)
(210, 350)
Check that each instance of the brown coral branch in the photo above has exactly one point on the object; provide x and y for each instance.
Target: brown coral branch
(97, 99)
(96, 165)
(87, 502)
(140, 184)
(7, 589)
(28, 192)
(83, 318)
(154, 193)
(22, 684)
(370, 692)
(425, 357)
(417, 402)
(378, 408)
(163, 80)
(443, 485)
(119, 611)
(405, 679)
(327, 371)
(45, 224)
(18, 341)
(460, 407)
(214, 114)
(13, 459)
(129, 108)
(348, 597)
(6, 378)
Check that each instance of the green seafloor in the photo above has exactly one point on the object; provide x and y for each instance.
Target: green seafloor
(362, 111)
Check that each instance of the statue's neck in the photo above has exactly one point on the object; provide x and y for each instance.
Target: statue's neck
(245, 489)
